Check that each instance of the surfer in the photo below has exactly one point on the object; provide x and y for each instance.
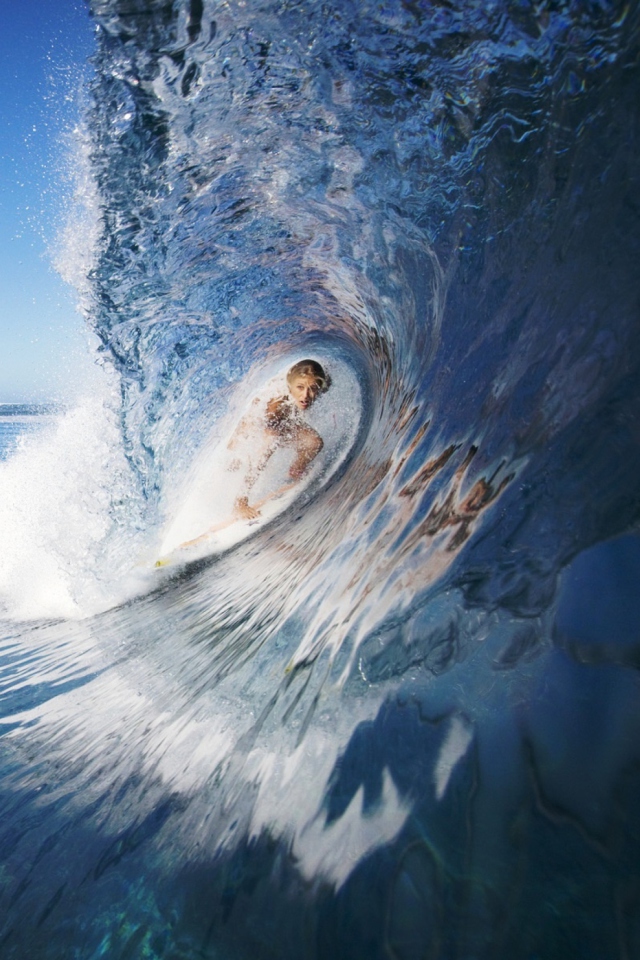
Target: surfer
(281, 423)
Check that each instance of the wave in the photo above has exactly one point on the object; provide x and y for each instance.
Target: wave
(368, 727)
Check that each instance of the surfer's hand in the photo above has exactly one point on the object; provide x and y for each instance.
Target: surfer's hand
(244, 510)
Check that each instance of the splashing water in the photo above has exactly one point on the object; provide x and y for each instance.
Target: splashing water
(399, 719)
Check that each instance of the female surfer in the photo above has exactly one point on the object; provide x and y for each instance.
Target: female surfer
(282, 424)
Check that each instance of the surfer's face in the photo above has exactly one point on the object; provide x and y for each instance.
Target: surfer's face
(303, 391)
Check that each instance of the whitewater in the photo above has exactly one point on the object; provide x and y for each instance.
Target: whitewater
(397, 718)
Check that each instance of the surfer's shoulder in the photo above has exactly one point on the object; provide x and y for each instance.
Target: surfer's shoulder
(280, 413)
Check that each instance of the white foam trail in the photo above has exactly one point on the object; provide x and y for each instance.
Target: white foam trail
(68, 503)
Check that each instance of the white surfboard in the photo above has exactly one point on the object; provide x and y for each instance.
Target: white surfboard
(204, 523)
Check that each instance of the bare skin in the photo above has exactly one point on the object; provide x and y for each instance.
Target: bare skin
(283, 427)
(281, 424)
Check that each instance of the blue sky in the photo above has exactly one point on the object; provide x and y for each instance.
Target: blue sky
(44, 46)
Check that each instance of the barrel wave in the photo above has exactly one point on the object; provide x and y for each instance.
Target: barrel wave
(399, 719)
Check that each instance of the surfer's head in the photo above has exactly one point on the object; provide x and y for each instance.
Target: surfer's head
(306, 380)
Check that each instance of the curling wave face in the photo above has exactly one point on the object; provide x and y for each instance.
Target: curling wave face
(301, 729)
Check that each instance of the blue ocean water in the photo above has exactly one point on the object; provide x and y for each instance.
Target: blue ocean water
(18, 420)
(401, 719)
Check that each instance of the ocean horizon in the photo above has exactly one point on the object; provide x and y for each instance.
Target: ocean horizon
(19, 419)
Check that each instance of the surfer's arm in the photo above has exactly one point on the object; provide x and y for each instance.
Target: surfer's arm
(247, 426)
(241, 506)
(275, 427)
(253, 512)
(279, 427)
(240, 432)
(308, 443)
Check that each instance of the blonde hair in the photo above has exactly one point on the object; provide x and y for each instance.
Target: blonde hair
(310, 368)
